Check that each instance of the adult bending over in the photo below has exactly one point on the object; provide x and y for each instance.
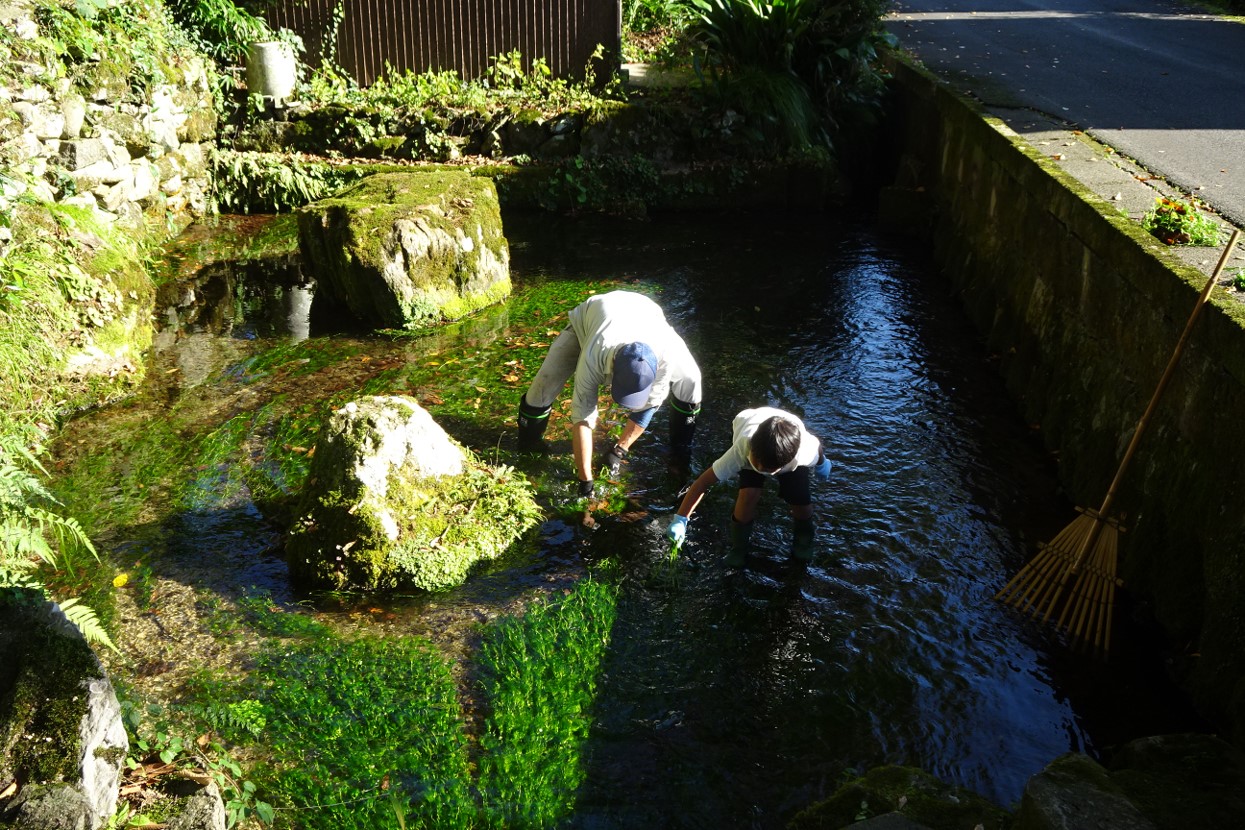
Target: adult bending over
(621, 339)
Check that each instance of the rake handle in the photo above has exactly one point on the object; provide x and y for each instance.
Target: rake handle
(1092, 536)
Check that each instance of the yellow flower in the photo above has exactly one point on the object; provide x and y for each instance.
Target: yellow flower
(120, 579)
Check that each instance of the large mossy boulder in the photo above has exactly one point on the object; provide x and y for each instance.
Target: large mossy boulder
(1166, 782)
(401, 250)
(61, 734)
(392, 502)
(893, 795)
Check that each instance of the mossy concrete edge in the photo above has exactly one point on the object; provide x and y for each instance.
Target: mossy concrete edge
(1083, 309)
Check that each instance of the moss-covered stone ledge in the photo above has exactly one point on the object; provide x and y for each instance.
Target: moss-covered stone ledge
(618, 157)
(632, 187)
(1083, 310)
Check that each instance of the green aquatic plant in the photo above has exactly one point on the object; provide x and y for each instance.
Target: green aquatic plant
(363, 731)
(355, 723)
(214, 483)
(539, 673)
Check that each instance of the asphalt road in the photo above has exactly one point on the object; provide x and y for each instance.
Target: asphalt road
(1160, 82)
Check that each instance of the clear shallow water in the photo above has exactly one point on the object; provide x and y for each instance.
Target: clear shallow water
(735, 699)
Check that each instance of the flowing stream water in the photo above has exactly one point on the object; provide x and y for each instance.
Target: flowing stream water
(735, 698)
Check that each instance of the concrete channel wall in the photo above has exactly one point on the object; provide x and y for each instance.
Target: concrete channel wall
(1083, 310)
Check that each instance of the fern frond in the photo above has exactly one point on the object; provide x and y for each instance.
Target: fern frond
(22, 543)
(18, 578)
(84, 617)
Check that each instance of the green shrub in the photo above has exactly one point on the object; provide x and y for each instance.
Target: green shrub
(249, 182)
(220, 28)
(800, 70)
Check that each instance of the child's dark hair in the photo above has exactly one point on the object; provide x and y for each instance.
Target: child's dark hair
(775, 443)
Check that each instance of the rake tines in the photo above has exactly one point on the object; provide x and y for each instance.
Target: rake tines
(1082, 557)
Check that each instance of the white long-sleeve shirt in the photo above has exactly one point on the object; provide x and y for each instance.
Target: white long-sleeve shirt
(745, 426)
(605, 323)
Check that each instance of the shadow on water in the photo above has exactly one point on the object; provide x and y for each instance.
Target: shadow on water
(729, 698)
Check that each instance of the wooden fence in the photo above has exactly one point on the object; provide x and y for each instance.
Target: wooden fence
(462, 35)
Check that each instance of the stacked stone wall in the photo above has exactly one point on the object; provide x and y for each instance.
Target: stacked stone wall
(134, 147)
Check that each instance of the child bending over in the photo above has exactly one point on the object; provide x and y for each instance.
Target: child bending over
(766, 443)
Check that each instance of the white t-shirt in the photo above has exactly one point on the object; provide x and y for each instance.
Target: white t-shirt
(607, 322)
(745, 426)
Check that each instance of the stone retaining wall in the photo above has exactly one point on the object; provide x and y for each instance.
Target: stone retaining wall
(100, 143)
(1083, 310)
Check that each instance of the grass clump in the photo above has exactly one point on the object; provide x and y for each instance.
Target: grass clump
(1174, 222)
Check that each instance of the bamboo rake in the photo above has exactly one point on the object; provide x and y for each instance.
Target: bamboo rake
(1085, 553)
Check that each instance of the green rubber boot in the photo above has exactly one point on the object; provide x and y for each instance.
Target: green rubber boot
(741, 533)
(802, 539)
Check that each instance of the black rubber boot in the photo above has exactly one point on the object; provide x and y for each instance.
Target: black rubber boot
(682, 428)
(741, 534)
(802, 539)
(532, 423)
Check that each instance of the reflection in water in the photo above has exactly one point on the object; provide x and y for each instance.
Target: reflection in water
(735, 699)
(298, 311)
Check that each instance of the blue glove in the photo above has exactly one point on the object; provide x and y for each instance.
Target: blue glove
(677, 531)
(823, 468)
